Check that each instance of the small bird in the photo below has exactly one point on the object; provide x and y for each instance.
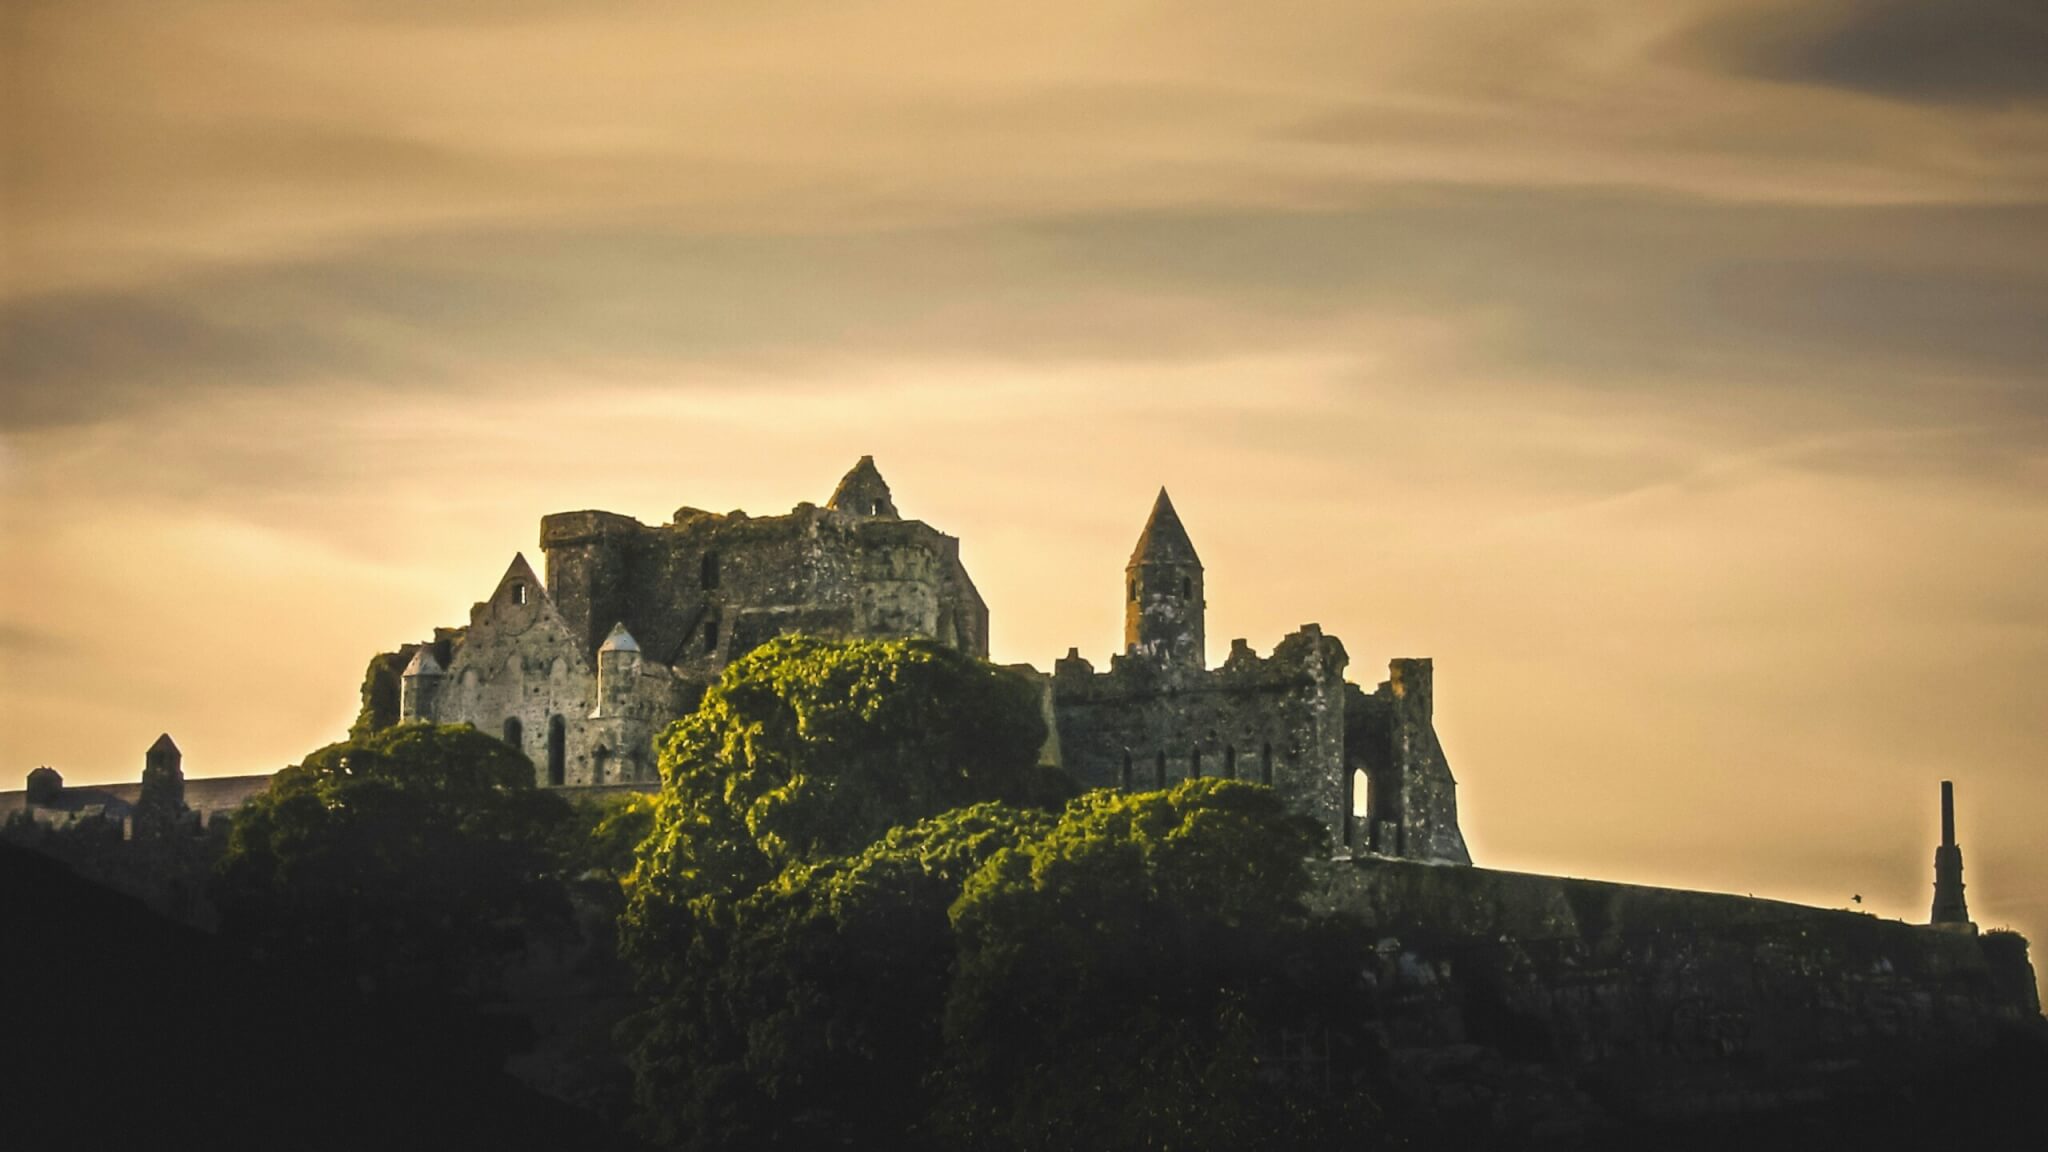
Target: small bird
(1857, 898)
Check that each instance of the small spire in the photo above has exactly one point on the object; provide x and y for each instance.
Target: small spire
(1950, 909)
(164, 743)
(423, 663)
(864, 493)
(620, 640)
(1165, 539)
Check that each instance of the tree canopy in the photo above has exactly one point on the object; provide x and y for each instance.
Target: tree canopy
(404, 862)
(809, 748)
(1136, 976)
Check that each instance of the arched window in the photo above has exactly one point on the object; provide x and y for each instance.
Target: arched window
(515, 735)
(600, 765)
(1195, 765)
(1230, 762)
(1266, 765)
(558, 752)
(1159, 771)
(1358, 813)
(1124, 780)
(707, 574)
(518, 592)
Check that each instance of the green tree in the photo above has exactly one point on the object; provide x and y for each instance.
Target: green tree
(808, 1014)
(406, 864)
(794, 946)
(1145, 975)
(810, 748)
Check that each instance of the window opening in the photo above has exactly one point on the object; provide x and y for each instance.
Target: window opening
(1124, 779)
(518, 592)
(1159, 771)
(515, 734)
(1230, 762)
(1195, 765)
(710, 637)
(558, 752)
(1266, 765)
(708, 571)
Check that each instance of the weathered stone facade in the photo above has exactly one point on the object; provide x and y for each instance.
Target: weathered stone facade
(1368, 766)
(635, 621)
(582, 672)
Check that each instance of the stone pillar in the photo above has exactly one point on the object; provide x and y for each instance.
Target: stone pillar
(1950, 911)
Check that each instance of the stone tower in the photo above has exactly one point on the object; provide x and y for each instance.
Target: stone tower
(1950, 912)
(420, 687)
(1163, 604)
(162, 800)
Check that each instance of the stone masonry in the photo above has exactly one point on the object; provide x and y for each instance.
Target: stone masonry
(1368, 766)
(582, 672)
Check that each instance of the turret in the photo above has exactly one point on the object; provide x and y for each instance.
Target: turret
(419, 687)
(162, 800)
(864, 493)
(618, 666)
(1163, 594)
(1950, 911)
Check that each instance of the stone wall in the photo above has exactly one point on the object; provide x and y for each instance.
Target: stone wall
(1538, 999)
(705, 589)
(1148, 723)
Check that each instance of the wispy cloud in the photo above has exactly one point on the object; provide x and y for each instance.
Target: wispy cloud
(1942, 51)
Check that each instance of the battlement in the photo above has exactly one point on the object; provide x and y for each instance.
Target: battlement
(564, 529)
(1303, 659)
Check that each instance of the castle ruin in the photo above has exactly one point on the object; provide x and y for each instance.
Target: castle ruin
(583, 671)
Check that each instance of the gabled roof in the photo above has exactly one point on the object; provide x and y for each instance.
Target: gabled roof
(864, 493)
(620, 640)
(1164, 540)
(164, 744)
(423, 663)
(520, 572)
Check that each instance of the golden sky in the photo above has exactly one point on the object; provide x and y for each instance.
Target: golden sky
(1673, 373)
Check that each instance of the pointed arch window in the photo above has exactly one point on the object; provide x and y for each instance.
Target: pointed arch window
(558, 752)
(515, 733)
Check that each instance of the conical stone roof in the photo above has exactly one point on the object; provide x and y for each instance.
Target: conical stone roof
(1165, 539)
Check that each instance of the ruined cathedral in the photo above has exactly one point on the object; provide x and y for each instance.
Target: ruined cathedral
(582, 671)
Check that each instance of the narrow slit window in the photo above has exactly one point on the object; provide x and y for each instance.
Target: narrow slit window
(1124, 780)
(1159, 771)
(1230, 762)
(1266, 765)
(707, 574)
(1195, 765)
(710, 637)
(558, 752)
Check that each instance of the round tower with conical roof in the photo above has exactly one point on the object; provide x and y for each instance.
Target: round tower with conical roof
(1163, 595)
